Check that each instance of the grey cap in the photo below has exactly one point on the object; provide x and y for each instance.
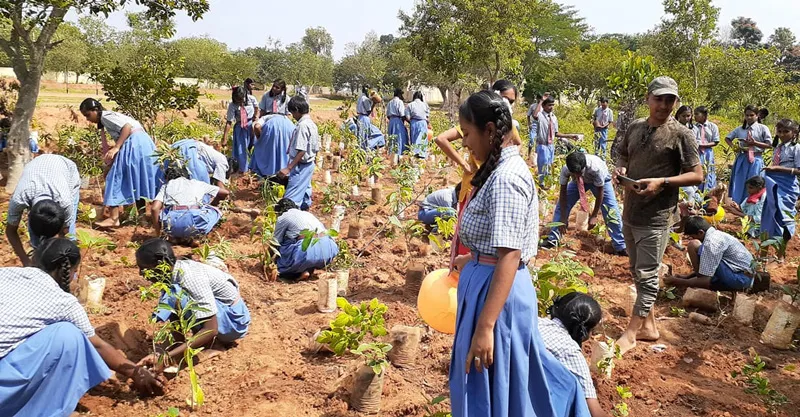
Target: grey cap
(662, 86)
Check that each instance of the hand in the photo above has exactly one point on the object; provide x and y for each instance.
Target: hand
(481, 351)
(467, 169)
(619, 171)
(111, 154)
(750, 141)
(284, 173)
(145, 383)
(592, 221)
(649, 187)
(461, 261)
(769, 169)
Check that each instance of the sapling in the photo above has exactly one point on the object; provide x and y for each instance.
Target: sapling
(344, 260)
(310, 237)
(429, 408)
(558, 277)
(606, 364)
(410, 229)
(376, 166)
(621, 408)
(264, 232)
(271, 193)
(86, 214)
(353, 324)
(374, 355)
(677, 312)
(758, 384)
(88, 242)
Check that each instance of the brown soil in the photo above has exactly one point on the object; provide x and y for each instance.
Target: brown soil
(270, 373)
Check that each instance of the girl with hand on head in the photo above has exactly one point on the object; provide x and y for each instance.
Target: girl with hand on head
(132, 176)
(751, 139)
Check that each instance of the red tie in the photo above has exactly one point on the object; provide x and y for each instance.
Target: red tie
(456, 238)
(703, 134)
(582, 193)
(776, 158)
(751, 153)
(243, 117)
(552, 130)
(274, 106)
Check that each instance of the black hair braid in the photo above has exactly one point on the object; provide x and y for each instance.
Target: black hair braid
(578, 330)
(503, 126)
(65, 276)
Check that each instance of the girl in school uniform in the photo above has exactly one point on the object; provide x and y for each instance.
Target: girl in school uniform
(269, 152)
(751, 138)
(783, 173)
(707, 134)
(294, 262)
(396, 113)
(275, 100)
(418, 114)
(184, 207)
(132, 176)
(241, 113)
(369, 134)
(499, 365)
(684, 117)
(224, 316)
(189, 150)
(49, 353)
(572, 319)
(302, 151)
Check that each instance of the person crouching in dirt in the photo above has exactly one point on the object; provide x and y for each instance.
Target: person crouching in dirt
(441, 203)
(572, 319)
(49, 353)
(182, 209)
(220, 312)
(294, 262)
(203, 162)
(720, 262)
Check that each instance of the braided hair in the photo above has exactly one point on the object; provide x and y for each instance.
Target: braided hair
(579, 313)
(153, 252)
(480, 109)
(58, 254)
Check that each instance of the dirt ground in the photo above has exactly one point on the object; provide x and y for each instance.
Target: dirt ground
(271, 373)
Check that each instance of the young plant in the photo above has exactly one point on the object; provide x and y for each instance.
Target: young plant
(264, 233)
(410, 229)
(376, 166)
(86, 214)
(171, 412)
(353, 324)
(677, 312)
(758, 384)
(310, 237)
(606, 365)
(558, 277)
(429, 408)
(374, 355)
(344, 260)
(89, 242)
(271, 193)
(668, 293)
(621, 408)
(335, 194)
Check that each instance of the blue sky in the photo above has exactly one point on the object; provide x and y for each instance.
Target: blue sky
(244, 23)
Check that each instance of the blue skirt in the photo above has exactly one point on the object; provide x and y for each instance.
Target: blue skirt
(232, 321)
(294, 260)
(133, 174)
(49, 373)
(371, 137)
(242, 140)
(428, 216)
(545, 155)
(741, 172)
(525, 380)
(197, 168)
(777, 218)
(419, 137)
(269, 152)
(398, 134)
(707, 160)
(299, 187)
(190, 223)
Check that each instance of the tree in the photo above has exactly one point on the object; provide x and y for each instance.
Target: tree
(783, 39)
(202, 57)
(318, 41)
(70, 54)
(364, 64)
(745, 33)
(583, 73)
(34, 23)
(629, 42)
(755, 79)
(628, 87)
(306, 67)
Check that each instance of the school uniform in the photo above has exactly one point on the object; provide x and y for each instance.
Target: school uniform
(304, 138)
(132, 176)
(525, 379)
(440, 203)
(48, 177)
(749, 162)
(395, 112)
(534, 127)
(366, 130)
(545, 146)
(274, 105)
(214, 291)
(188, 149)
(294, 260)
(603, 117)
(242, 119)
(786, 190)
(707, 133)
(593, 178)
(726, 261)
(557, 340)
(47, 362)
(369, 136)
(753, 206)
(418, 113)
(187, 211)
(269, 152)
(215, 162)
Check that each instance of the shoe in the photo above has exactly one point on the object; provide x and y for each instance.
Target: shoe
(547, 244)
(623, 252)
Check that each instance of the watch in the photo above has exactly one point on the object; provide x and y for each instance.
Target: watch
(666, 181)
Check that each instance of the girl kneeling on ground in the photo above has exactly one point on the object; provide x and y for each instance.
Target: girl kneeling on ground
(295, 262)
(222, 314)
(49, 353)
(183, 208)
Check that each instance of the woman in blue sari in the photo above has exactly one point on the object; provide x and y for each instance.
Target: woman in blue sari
(783, 172)
(241, 112)
(751, 139)
(396, 113)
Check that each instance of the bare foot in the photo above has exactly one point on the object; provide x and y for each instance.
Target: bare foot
(304, 276)
(107, 223)
(648, 335)
(625, 344)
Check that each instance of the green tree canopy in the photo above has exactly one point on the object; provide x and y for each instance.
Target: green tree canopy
(783, 39)
(745, 33)
(70, 54)
(318, 41)
(582, 73)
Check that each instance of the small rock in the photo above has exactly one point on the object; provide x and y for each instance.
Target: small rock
(650, 401)
(688, 360)
(658, 348)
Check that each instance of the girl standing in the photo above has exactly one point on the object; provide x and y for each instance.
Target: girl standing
(707, 134)
(302, 152)
(751, 139)
(684, 116)
(275, 100)
(783, 172)
(132, 177)
(396, 113)
(241, 112)
(418, 114)
(499, 366)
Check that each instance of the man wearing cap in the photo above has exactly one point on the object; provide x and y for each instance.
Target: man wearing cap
(661, 156)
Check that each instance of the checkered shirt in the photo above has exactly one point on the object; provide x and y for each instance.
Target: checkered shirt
(719, 246)
(48, 177)
(32, 300)
(558, 342)
(205, 284)
(505, 212)
(294, 221)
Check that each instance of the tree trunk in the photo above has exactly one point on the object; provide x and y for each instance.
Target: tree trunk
(19, 152)
(66, 80)
(696, 81)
